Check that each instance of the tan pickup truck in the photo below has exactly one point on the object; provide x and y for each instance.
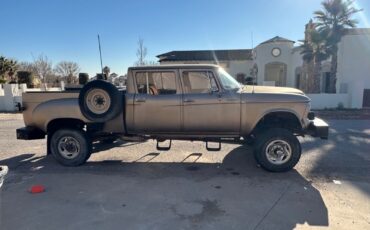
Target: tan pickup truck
(174, 102)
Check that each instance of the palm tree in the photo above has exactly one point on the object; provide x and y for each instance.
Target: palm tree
(314, 52)
(332, 20)
(7, 67)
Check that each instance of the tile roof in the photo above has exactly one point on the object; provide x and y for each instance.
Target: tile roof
(277, 39)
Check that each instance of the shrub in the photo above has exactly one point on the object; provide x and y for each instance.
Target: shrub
(25, 77)
(340, 106)
(83, 78)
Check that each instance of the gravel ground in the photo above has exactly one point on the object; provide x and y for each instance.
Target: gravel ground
(134, 186)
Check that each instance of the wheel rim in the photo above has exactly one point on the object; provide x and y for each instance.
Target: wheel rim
(98, 101)
(69, 147)
(278, 152)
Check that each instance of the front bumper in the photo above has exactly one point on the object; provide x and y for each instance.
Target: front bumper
(30, 133)
(318, 128)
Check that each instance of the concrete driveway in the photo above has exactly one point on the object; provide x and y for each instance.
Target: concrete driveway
(133, 186)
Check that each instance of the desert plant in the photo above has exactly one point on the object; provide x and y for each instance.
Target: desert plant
(340, 106)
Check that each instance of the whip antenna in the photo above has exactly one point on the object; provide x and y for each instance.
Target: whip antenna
(101, 59)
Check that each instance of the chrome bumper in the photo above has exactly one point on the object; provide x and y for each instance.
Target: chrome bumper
(318, 128)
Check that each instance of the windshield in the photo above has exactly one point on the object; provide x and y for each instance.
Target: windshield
(227, 81)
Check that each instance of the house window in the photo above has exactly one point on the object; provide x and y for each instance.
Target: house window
(156, 83)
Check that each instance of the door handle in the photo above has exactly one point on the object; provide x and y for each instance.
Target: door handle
(140, 100)
(188, 100)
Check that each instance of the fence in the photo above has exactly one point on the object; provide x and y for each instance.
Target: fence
(323, 100)
(11, 95)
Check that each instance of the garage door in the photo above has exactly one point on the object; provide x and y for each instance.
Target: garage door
(366, 99)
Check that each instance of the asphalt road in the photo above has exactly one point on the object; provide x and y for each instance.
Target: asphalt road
(134, 186)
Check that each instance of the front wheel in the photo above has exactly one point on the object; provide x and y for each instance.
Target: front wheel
(70, 147)
(277, 150)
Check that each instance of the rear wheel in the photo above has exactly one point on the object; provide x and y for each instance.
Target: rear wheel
(277, 150)
(70, 147)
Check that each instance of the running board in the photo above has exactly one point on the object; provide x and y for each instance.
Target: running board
(165, 148)
(213, 149)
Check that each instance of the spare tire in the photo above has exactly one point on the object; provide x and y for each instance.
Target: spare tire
(100, 101)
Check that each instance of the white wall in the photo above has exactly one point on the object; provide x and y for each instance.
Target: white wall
(11, 94)
(322, 101)
(354, 64)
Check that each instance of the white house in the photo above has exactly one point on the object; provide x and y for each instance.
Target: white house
(279, 62)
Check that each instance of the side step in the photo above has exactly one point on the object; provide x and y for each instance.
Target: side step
(164, 148)
(213, 149)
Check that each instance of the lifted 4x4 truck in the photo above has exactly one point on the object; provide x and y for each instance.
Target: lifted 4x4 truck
(174, 102)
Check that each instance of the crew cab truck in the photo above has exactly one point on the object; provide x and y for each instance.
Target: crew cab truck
(173, 102)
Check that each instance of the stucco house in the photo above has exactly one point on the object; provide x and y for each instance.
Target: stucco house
(278, 61)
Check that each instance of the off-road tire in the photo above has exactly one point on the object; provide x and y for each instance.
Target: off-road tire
(84, 146)
(100, 101)
(265, 141)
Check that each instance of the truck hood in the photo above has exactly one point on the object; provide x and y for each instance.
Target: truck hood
(270, 89)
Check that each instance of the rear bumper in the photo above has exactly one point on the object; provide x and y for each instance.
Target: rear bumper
(318, 128)
(29, 133)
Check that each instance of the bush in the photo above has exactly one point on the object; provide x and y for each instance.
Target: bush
(83, 78)
(340, 106)
(25, 77)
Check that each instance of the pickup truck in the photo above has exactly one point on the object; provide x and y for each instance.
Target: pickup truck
(173, 102)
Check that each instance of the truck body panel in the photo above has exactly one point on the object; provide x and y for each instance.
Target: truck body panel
(220, 113)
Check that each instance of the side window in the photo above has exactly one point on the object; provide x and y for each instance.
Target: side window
(156, 83)
(199, 82)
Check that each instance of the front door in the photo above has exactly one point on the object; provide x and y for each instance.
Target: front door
(157, 103)
(206, 108)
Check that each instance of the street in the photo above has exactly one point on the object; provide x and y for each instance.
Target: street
(134, 186)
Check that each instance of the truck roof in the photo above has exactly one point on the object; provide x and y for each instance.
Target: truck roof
(175, 66)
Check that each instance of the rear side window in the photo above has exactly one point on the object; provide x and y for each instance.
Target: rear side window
(199, 82)
(156, 83)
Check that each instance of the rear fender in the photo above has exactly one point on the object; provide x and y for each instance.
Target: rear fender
(56, 109)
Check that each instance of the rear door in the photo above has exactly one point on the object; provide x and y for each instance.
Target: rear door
(157, 102)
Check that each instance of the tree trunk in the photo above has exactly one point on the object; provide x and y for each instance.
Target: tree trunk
(310, 77)
(333, 71)
(316, 76)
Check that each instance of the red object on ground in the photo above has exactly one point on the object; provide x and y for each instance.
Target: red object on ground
(37, 189)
